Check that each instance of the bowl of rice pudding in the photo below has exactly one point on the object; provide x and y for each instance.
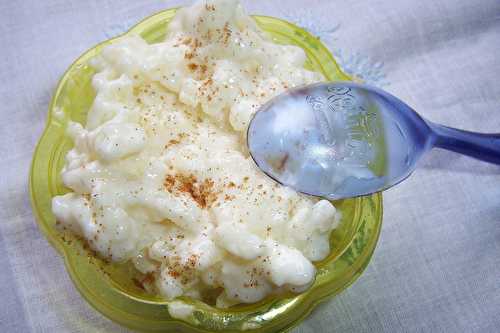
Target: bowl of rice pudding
(143, 182)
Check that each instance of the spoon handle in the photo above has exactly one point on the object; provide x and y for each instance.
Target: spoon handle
(485, 147)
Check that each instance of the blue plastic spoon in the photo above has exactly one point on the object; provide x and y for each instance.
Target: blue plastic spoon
(341, 140)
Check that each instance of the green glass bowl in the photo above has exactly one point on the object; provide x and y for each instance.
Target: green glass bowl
(110, 288)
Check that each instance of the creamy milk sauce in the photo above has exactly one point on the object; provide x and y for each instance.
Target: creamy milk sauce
(160, 174)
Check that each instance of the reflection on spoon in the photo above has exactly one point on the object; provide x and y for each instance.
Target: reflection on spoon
(340, 140)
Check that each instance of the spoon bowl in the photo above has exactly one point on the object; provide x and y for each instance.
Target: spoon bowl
(343, 139)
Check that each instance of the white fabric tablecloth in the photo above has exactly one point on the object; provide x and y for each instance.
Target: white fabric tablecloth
(437, 265)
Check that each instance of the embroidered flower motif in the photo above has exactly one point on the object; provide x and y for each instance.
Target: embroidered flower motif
(355, 64)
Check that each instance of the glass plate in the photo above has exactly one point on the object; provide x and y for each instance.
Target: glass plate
(110, 288)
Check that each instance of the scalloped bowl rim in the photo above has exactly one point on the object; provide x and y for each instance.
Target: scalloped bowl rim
(49, 233)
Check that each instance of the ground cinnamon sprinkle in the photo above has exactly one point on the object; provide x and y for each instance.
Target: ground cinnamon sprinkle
(226, 33)
(138, 283)
(210, 7)
(182, 271)
(172, 143)
(174, 274)
(202, 192)
(192, 67)
(208, 82)
(203, 68)
(228, 197)
(192, 260)
(148, 279)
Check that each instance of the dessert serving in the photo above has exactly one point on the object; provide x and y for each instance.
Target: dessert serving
(160, 175)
